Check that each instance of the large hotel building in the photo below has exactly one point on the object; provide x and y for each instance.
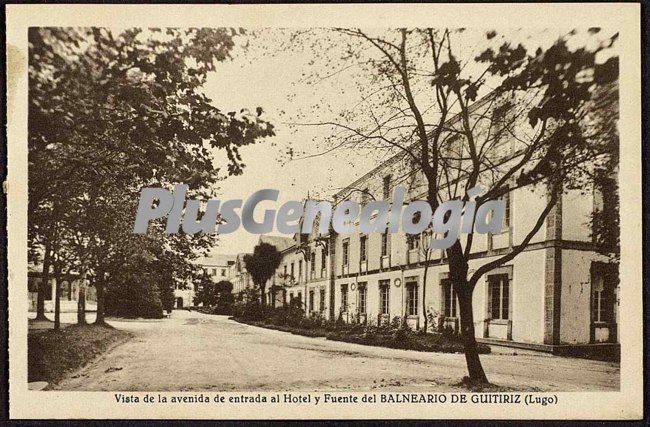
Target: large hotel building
(559, 293)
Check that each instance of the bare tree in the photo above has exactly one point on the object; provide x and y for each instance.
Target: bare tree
(532, 128)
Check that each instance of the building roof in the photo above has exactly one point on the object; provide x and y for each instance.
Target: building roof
(281, 243)
(216, 259)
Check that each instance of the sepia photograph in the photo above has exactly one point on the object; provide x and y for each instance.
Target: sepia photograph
(318, 215)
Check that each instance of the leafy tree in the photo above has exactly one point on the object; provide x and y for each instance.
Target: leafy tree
(448, 112)
(109, 113)
(205, 294)
(261, 265)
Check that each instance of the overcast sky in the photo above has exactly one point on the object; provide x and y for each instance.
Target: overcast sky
(268, 76)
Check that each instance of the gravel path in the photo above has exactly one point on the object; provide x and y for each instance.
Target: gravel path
(196, 352)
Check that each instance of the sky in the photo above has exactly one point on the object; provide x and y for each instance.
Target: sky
(271, 73)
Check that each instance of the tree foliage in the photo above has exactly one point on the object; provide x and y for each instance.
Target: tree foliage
(111, 112)
(261, 265)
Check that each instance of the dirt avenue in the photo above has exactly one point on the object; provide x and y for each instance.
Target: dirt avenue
(197, 352)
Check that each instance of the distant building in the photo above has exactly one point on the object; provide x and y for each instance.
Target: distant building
(218, 267)
(69, 290)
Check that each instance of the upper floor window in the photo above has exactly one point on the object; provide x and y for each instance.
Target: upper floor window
(413, 241)
(386, 187)
(346, 252)
(293, 275)
(506, 216)
(299, 270)
(312, 261)
(323, 261)
(384, 243)
(363, 247)
(365, 196)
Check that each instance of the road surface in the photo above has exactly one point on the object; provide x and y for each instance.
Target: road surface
(196, 352)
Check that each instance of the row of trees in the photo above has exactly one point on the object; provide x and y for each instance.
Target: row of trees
(110, 113)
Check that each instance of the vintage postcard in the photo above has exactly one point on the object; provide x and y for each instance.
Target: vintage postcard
(390, 211)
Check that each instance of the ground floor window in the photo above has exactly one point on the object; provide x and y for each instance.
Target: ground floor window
(412, 298)
(499, 296)
(344, 297)
(603, 299)
(384, 296)
(322, 300)
(363, 293)
(448, 298)
(311, 300)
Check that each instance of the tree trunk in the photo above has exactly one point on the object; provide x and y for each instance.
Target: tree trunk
(81, 300)
(99, 286)
(43, 285)
(57, 298)
(474, 367)
(263, 294)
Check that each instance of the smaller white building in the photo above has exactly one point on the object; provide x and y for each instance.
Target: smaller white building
(218, 267)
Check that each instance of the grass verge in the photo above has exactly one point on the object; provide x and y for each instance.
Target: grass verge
(53, 353)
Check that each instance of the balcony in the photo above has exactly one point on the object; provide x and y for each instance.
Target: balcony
(363, 266)
(385, 261)
(412, 256)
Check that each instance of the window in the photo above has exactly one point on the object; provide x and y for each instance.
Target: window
(293, 276)
(506, 216)
(600, 302)
(214, 271)
(363, 294)
(322, 299)
(300, 297)
(384, 244)
(346, 252)
(413, 241)
(285, 271)
(223, 272)
(312, 262)
(448, 298)
(311, 300)
(365, 197)
(299, 270)
(384, 296)
(344, 297)
(499, 290)
(386, 187)
(323, 262)
(412, 298)
(290, 296)
(603, 299)
(362, 245)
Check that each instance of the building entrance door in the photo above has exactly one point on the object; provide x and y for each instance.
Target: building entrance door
(179, 302)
